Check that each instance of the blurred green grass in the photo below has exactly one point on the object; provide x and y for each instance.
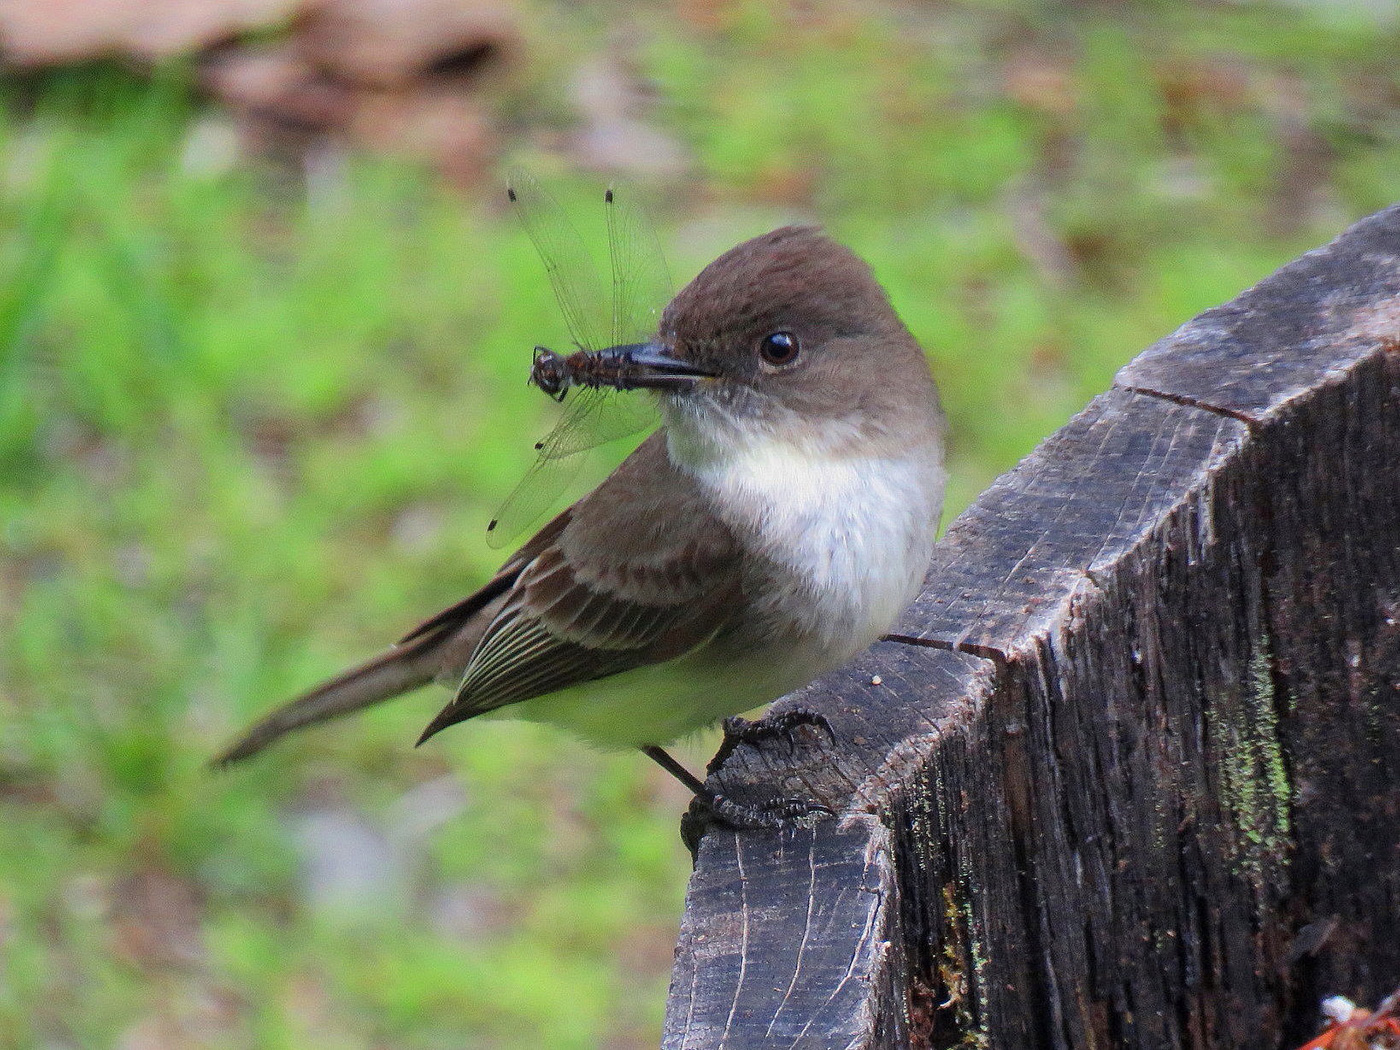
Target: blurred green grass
(252, 426)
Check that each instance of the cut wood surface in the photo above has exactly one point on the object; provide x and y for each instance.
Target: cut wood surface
(1128, 772)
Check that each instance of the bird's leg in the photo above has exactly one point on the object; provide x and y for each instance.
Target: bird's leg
(662, 758)
(713, 806)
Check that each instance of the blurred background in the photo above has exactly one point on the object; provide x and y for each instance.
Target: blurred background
(265, 325)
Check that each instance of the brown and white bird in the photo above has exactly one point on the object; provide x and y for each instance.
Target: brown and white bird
(777, 524)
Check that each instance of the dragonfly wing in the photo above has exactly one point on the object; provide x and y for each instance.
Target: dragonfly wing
(641, 282)
(596, 416)
(640, 286)
(624, 413)
(536, 493)
(570, 266)
(592, 417)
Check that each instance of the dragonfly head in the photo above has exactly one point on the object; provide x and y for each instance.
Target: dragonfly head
(550, 373)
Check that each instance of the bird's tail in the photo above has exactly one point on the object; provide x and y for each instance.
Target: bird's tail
(402, 668)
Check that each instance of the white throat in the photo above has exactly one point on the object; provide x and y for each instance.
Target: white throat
(849, 535)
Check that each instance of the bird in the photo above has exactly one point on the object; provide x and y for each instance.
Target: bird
(777, 523)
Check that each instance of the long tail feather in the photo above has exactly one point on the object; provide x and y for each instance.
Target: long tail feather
(397, 671)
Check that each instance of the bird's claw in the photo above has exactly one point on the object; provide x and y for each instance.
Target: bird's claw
(717, 809)
(779, 813)
(782, 724)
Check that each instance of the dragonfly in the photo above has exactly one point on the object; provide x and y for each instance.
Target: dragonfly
(591, 381)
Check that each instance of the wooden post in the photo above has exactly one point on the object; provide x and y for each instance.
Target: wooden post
(1128, 773)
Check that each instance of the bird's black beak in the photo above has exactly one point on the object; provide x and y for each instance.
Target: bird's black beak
(647, 366)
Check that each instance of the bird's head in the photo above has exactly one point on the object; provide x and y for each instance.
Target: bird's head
(787, 334)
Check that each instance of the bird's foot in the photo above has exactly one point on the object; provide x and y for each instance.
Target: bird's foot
(775, 813)
(718, 808)
(784, 724)
(712, 809)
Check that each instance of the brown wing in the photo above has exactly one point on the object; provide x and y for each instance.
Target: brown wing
(640, 574)
(415, 660)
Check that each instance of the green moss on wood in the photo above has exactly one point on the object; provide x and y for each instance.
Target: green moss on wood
(1255, 780)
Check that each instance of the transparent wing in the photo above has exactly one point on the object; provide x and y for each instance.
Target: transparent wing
(640, 288)
(536, 492)
(567, 261)
(641, 284)
(591, 417)
(595, 417)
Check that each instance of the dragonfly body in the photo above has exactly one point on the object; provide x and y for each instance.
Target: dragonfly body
(635, 366)
(556, 374)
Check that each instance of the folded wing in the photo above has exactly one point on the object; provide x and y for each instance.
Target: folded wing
(641, 574)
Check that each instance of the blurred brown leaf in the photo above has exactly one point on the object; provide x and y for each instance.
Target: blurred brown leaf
(390, 43)
(39, 33)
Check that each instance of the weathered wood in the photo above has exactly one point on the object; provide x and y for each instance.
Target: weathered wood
(816, 897)
(823, 900)
(1307, 326)
(1129, 775)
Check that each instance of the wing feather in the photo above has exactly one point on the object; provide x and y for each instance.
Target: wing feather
(640, 574)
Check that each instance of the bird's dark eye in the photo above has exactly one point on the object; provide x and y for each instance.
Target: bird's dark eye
(780, 348)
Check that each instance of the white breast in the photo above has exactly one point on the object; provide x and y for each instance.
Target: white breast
(854, 533)
(844, 544)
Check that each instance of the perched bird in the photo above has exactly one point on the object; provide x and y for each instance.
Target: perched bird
(777, 524)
